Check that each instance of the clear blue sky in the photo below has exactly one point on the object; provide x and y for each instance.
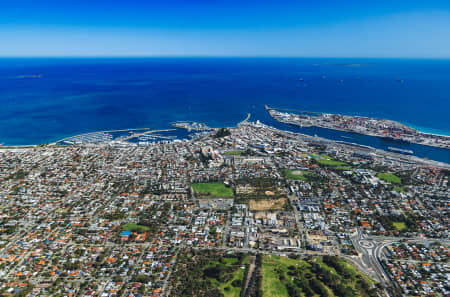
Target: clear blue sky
(313, 28)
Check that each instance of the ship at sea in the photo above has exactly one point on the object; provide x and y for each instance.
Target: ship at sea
(400, 151)
(296, 125)
(32, 76)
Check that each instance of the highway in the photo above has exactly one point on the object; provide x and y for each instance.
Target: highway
(371, 253)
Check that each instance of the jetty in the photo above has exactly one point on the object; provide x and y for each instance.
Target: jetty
(137, 135)
(245, 120)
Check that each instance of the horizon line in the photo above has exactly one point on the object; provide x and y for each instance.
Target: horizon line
(217, 56)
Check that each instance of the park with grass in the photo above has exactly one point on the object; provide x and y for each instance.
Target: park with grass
(133, 227)
(223, 274)
(313, 276)
(234, 153)
(398, 223)
(399, 189)
(210, 273)
(212, 190)
(399, 226)
(295, 174)
(326, 160)
(389, 177)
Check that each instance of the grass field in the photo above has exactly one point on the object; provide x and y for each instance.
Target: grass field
(330, 162)
(399, 226)
(271, 265)
(283, 277)
(399, 189)
(213, 189)
(234, 153)
(327, 160)
(133, 227)
(343, 168)
(389, 177)
(226, 288)
(209, 273)
(297, 174)
(294, 174)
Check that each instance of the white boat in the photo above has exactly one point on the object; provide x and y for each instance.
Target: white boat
(400, 151)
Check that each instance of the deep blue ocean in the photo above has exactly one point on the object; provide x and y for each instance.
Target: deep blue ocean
(74, 96)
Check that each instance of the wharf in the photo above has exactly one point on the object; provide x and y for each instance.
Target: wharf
(382, 128)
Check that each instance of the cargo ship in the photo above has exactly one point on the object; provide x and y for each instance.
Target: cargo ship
(400, 151)
(394, 139)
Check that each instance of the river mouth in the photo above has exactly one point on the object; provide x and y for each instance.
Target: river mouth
(422, 151)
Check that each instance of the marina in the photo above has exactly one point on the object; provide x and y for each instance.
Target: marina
(127, 136)
(96, 137)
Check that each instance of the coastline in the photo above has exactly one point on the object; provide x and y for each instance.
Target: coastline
(128, 93)
(366, 133)
(424, 159)
(428, 131)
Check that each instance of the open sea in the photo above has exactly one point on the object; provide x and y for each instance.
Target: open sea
(44, 100)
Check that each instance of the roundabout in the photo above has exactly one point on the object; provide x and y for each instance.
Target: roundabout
(366, 244)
